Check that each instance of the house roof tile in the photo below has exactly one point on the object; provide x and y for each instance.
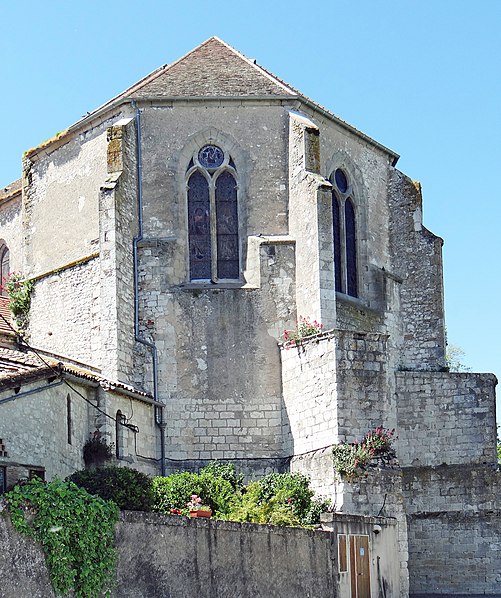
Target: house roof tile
(10, 190)
(17, 367)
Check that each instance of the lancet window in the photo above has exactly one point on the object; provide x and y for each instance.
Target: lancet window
(213, 239)
(344, 221)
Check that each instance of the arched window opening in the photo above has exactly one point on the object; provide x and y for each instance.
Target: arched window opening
(227, 226)
(119, 434)
(351, 249)
(199, 227)
(213, 239)
(4, 267)
(336, 224)
(344, 234)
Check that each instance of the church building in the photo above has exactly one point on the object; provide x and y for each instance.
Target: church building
(171, 236)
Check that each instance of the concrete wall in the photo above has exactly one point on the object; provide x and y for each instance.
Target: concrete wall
(161, 555)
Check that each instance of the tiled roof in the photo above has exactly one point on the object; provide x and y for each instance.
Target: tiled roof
(17, 367)
(11, 190)
(5, 314)
(213, 70)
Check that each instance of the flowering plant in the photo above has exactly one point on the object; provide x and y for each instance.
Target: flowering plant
(351, 459)
(196, 504)
(304, 329)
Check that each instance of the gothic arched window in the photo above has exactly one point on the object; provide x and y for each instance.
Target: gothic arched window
(344, 234)
(213, 240)
(4, 266)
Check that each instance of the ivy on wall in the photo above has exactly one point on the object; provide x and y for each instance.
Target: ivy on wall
(75, 529)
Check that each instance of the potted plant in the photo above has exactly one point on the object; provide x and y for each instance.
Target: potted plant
(197, 508)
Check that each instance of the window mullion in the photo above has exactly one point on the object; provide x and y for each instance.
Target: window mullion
(213, 228)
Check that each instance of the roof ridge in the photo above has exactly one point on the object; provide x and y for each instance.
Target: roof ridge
(268, 74)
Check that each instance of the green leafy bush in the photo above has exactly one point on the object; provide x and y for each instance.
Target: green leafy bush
(129, 489)
(226, 471)
(19, 291)
(278, 499)
(75, 529)
(173, 492)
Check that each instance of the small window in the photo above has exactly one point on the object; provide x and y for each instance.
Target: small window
(213, 229)
(344, 234)
(68, 419)
(120, 420)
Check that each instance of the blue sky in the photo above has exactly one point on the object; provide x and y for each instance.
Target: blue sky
(420, 76)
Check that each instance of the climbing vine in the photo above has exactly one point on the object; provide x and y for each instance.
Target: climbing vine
(19, 291)
(75, 529)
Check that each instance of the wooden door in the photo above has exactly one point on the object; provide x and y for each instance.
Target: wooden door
(359, 567)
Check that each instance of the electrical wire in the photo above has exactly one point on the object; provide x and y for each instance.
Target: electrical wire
(57, 373)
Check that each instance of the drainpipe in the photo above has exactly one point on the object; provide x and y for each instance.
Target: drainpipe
(159, 410)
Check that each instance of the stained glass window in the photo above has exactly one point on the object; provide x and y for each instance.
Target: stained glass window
(336, 232)
(213, 217)
(227, 226)
(344, 235)
(211, 156)
(4, 266)
(341, 181)
(351, 249)
(199, 227)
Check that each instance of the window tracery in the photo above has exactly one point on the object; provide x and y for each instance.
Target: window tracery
(344, 222)
(212, 193)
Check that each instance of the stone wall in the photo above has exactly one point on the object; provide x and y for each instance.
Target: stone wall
(11, 231)
(64, 312)
(416, 257)
(446, 418)
(454, 529)
(61, 185)
(34, 428)
(219, 367)
(161, 555)
(118, 206)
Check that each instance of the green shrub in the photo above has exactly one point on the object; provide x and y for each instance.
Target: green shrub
(293, 487)
(226, 471)
(278, 499)
(174, 491)
(129, 489)
(75, 529)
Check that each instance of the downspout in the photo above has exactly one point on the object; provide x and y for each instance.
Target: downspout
(158, 410)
